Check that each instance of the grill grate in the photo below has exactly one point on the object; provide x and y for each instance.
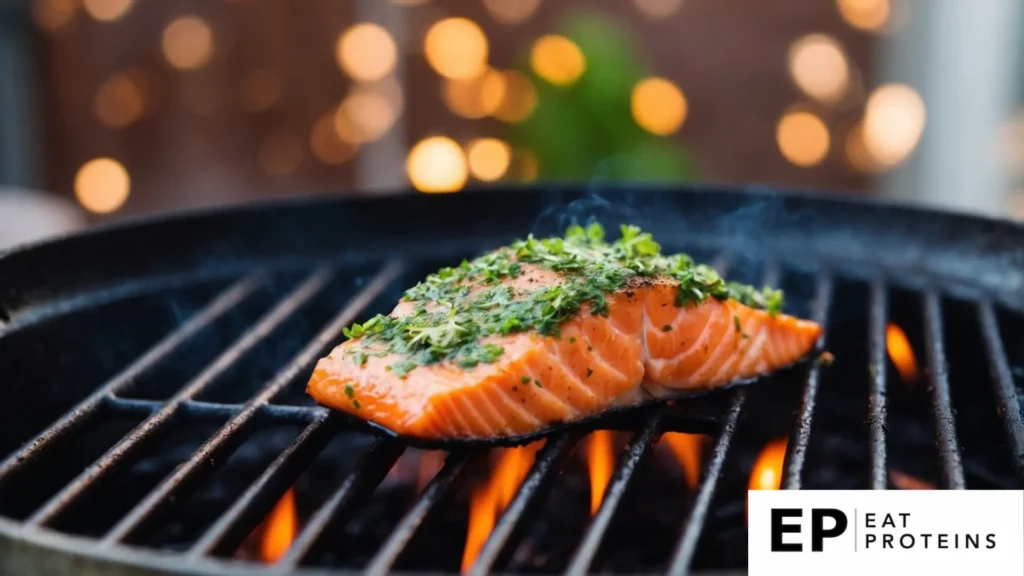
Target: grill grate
(230, 528)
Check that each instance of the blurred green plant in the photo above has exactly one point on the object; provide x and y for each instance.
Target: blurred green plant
(585, 131)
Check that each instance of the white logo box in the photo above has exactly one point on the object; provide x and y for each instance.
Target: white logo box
(929, 532)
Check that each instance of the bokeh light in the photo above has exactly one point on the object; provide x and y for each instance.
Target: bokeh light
(511, 11)
(557, 60)
(188, 43)
(867, 15)
(525, 163)
(260, 90)
(520, 97)
(802, 138)
(437, 164)
(325, 144)
(819, 67)
(894, 118)
(107, 10)
(489, 158)
(658, 106)
(280, 153)
(369, 111)
(54, 15)
(658, 9)
(121, 99)
(477, 97)
(102, 185)
(366, 52)
(456, 48)
(856, 151)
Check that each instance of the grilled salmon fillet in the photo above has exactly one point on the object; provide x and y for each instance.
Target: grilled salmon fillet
(554, 331)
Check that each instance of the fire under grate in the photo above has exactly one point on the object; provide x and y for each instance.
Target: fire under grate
(180, 459)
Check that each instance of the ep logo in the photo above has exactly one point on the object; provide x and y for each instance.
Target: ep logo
(791, 521)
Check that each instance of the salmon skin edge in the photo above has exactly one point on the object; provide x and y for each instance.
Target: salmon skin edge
(586, 424)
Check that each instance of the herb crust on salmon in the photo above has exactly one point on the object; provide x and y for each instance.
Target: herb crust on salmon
(554, 330)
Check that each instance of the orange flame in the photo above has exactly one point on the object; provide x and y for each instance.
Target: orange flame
(686, 448)
(901, 353)
(280, 529)
(600, 460)
(767, 471)
(904, 481)
(489, 499)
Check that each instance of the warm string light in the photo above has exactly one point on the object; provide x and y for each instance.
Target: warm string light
(121, 99)
(818, 66)
(325, 144)
(437, 164)
(456, 48)
(803, 138)
(107, 10)
(867, 15)
(187, 43)
(511, 11)
(369, 111)
(894, 119)
(519, 100)
(488, 158)
(658, 106)
(54, 15)
(658, 9)
(557, 59)
(102, 185)
(366, 52)
(475, 97)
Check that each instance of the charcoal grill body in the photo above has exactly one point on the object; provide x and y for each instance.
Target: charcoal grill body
(343, 257)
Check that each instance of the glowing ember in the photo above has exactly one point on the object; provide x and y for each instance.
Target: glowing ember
(686, 448)
(903, 481)
(600, 460)
(280, 529)
(767, 471)
(901, 353)
(490, 497)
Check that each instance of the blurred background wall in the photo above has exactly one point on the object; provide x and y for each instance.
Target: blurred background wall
(125, 107)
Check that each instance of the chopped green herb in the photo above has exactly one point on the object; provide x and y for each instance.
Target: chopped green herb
(526, 380)
(355, 403)
(572, 340)
(537, 382)
(666, 328)
(349, 391)
(457, 308)
(736, 323)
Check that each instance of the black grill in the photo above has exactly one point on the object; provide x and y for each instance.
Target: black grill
(146, 368)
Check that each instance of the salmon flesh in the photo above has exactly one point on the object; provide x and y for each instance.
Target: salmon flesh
(553, 331)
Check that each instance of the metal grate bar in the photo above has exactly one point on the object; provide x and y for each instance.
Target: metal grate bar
(358, 485)
(638, 446)
(280, 412)
(440, 487)
(531, 494)
(1008, 404)
(796, 452)
(942, 411)
(121, 453)
(224, 302)
(187, 473)
(694, 526)
(228, 532)
(878, 315)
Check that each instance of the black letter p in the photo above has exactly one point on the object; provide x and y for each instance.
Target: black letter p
(818, 532)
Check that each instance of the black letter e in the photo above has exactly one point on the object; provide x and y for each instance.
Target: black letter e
(778, 529)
